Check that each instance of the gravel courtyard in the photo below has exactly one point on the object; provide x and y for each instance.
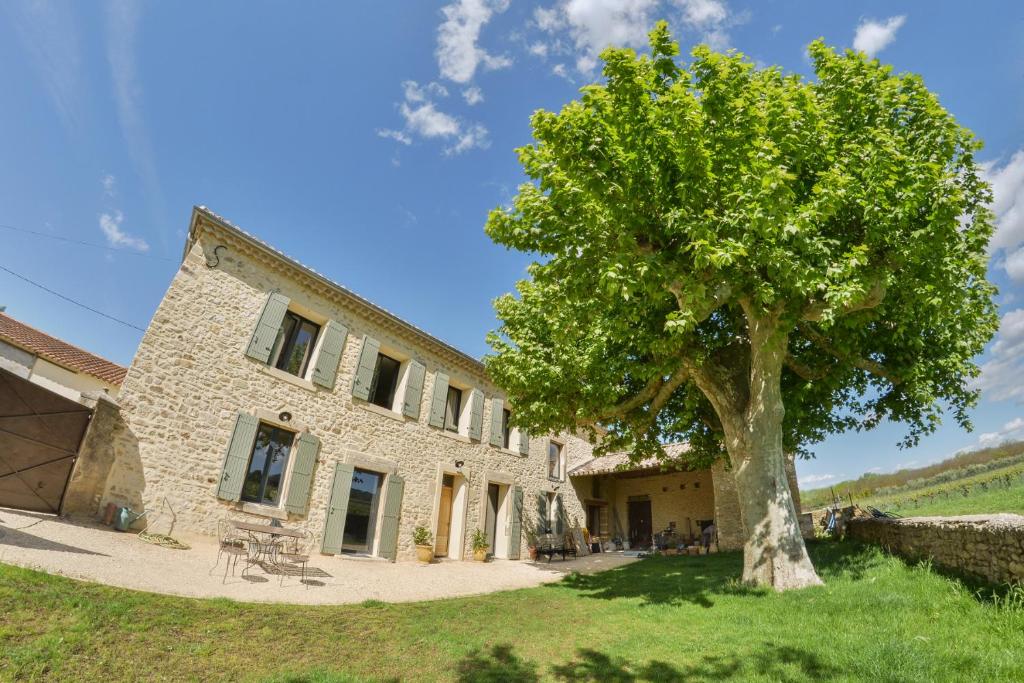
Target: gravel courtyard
(93, 552)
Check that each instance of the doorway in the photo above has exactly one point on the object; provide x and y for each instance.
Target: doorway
(491, 526)
(444, 516)
(639, 524)
(361, 519)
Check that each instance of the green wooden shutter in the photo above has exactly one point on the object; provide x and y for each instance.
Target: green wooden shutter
(337, 509)
(267, 327)
(438, 400)
(476, 413)
(497, 413)
(543, 514)
(516, 527)
(389, 519)
(560, 517)
(237, 459)
(413, 390)
(524, 442)
(364, 369)
(325, 372)
(304, 464)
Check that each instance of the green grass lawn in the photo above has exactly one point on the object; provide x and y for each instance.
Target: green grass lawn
(994, 500)
(661, 619)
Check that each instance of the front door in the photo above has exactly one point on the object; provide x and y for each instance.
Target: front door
(493, 491)
(444, 516)
(363, 503)
(639, 524)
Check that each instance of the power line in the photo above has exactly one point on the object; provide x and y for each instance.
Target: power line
(130, 252)
(69, 299)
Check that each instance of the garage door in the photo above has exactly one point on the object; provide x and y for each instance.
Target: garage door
(40, 432)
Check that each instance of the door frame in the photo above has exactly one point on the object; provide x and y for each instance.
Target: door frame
(629, 519)
(503, 516)
(384, 467)
(460, 508)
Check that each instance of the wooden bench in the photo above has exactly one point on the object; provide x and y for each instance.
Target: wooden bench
(550, 545)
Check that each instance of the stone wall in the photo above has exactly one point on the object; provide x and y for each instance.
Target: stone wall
(990, 547)
(190, 378)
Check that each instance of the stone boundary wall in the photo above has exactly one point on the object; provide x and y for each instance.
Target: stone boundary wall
(989, 547)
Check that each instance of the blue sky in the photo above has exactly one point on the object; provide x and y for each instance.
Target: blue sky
(369, 140)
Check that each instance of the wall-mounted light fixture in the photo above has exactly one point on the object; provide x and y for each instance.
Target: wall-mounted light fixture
(459, 464)
(556, 488)
(284, 416)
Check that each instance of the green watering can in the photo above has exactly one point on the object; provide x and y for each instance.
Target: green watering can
(125, 517)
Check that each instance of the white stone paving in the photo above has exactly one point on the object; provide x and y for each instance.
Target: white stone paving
(92, 552)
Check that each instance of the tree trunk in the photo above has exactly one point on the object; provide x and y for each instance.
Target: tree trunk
(774, 553)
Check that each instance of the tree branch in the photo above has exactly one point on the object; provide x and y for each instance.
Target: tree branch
(803, 370)
(816, 310)
(872, 367)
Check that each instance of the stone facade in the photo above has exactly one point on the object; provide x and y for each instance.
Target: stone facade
(191, 377)
(990, 547)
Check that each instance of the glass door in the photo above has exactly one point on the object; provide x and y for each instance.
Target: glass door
(361, 520)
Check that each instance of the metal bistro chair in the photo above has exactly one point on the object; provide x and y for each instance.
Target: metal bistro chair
(230, 543)
(296, 551)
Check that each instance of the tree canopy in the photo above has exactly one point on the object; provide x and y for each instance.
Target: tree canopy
(673, 204)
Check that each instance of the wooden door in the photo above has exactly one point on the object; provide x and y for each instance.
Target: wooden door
(444, 517)
(639, 524)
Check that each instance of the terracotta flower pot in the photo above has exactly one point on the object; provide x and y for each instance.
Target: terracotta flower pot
(480, 555)
(425, 553)
(533, 552)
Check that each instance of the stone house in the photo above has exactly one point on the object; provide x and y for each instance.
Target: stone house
(261, 387)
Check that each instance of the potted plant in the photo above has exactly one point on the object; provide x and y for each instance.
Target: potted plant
(480, 545)
(424, 541)
(531, 544)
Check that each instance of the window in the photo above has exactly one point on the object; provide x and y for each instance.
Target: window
(385, 380)
(294, 344)
(452, 408)
(265, 474)
(506, 430)
(554, 461)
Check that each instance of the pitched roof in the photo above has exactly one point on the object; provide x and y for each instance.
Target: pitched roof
(59, 352)
(619, 462)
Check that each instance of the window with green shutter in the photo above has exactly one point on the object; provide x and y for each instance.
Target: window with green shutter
(497, 417)
(438, 401)
(325, 370)
(337, 508)
(388, 546)
(413, 396)
(303, 467)
(476, 414)
(267, 327)
(237, 457)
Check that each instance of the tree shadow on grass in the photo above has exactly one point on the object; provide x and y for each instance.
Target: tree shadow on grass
(499, 664)
(780, 663)
(698, 580)
(667, 580)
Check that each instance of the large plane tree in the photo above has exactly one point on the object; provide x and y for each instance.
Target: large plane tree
(746, 261)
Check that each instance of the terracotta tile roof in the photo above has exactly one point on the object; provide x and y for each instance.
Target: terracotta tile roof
(619, 462)
(59, 352)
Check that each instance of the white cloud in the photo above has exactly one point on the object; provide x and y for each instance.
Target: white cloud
(1011, 430)
(1014, 265)
(1002, 375)
(396, 135)
(109, 183)
(703, 12)
(110, 224)
(424, 120)
(538, 49)
(1007, 182)
(458, 54)
(473, 95)
(474, 136)
(815, 479)
(593, 25)
(873, 36)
